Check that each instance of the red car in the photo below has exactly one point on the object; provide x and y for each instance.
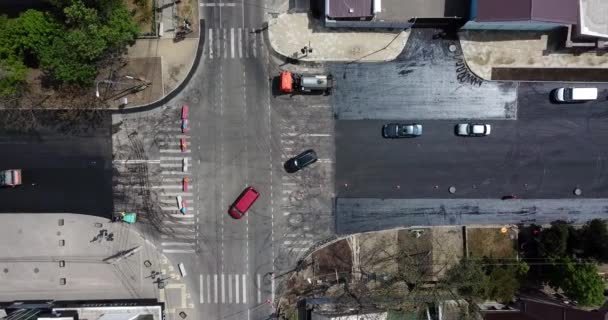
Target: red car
(243, 202)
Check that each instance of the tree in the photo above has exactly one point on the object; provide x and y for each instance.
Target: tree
(504, 280)
(554, 241)
(12, 75)
(579, 281)
(594, 240)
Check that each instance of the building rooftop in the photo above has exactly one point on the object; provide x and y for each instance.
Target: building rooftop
(558, 11)
(395, 10)
(594, 18)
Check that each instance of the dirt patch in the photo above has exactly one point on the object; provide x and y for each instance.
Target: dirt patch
(143, 14)
(188, 10)
(491, 242)
(139, 80)
(336, 258)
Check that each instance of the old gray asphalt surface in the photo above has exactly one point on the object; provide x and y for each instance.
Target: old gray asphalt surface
(67, 164)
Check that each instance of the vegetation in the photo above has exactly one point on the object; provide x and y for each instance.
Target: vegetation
(68, 43)
(569, 257)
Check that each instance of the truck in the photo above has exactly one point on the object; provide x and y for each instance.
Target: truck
(10, 178)
(293, 83)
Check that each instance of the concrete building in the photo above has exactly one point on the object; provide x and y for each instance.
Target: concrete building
(142, 309)
(393, 13)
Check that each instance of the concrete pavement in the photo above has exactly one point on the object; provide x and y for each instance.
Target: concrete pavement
(289, 33)
(65, 257)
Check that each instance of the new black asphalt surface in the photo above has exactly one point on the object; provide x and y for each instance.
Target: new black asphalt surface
(548, 152)
(66, 162)
(428, 80)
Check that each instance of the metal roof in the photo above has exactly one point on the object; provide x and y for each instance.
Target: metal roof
(558, 11)
(349, 8)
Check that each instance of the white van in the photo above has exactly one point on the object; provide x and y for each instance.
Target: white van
(574, 94)
(182, 269)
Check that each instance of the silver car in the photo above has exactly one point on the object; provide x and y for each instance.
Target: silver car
(397, 130)
(473, 129)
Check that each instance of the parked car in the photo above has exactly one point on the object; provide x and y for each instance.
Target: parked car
(473, 129)
(10, 178)
(398, 130)
(242, 204)
(300, 161)
(574, 94)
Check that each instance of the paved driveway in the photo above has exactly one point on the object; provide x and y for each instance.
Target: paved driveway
(425, 82)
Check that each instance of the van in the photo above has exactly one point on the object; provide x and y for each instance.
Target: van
(243, 202)
(574, 94)
(182, 269)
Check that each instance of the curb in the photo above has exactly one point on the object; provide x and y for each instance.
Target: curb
(286, 59)
(180, 87)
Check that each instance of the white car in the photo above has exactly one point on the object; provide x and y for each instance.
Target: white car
(473, 129)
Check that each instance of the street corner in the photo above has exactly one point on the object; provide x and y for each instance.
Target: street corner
(300, 37)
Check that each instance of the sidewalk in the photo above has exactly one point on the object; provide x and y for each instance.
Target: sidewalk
(41, 251)
(485, 50)
(161, 62)
(289, 33)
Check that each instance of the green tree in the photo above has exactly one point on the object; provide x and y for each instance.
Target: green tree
(594, 240)
(554, 240)
(12, 75)
(504, 280)
(579, 281)
(468, 279)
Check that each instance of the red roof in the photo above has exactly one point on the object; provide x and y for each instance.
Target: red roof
(557, 11)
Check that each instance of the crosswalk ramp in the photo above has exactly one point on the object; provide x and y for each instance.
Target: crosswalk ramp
(233, 43)
(233, 288)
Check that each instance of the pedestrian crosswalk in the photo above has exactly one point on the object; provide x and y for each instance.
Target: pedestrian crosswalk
(233, 43)
(180, 231)
(234, 288)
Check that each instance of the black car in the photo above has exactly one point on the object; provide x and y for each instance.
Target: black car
(398, 130)
(300, 161)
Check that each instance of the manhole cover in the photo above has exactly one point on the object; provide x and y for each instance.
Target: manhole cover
(295, 219)
(36, 270)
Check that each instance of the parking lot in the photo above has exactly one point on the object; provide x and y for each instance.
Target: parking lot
(545, 154)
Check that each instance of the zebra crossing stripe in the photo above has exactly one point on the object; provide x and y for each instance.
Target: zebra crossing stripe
(210, 45)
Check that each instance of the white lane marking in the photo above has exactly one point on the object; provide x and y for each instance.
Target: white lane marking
(232, 43)
(175, 158)
(237, 292)
(179, 250)
(201, 293)
(230, 288)
(316, 135)
(209, 288)
(175, 194)
(167, 187)
(255, 50)
(223, 290)
(240, 42)
(177, 244)
(325, 160)
(176, 172)
(215, 287)
(134, 161)
(218, 42)
(244, 289)
(224, 41)
(171, 165)
(178, 223)
(259, 289)
(210, 43)
(285, 213)
(174, 151)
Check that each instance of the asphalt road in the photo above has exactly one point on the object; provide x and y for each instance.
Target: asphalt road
(550, 150)
(66, 163)
(426, 81)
